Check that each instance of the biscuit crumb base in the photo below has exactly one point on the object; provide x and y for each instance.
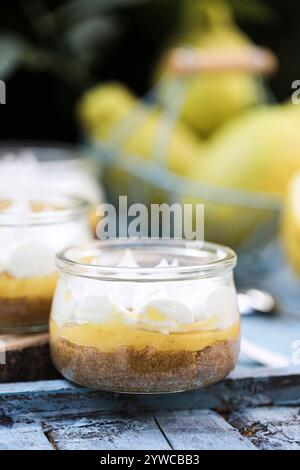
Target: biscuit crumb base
(129, 370)
(24, 312)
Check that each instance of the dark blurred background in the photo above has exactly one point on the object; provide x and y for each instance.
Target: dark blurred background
(50, 51)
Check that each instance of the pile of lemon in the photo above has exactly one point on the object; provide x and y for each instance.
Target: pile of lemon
(226, 136)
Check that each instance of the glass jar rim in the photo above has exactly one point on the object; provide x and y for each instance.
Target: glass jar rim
(225, 259)
(75, 207)
(72, 152)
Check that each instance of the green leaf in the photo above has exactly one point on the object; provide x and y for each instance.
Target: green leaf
(254, 10)
(89, 38)
(11, 55)
(77, 10)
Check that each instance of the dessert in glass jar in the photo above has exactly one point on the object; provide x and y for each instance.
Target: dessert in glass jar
(145, 316)
(32, 231)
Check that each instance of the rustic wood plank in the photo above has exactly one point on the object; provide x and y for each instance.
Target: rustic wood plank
(14, 342)
(27, 357)
(201, 430)
(51, 398)
(275, 428)
(118, 432)
(23, 439)
(74, 417)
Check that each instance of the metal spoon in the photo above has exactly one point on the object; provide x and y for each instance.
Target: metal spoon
(253, 301)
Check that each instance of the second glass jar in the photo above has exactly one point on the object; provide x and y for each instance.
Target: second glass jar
(32, 231)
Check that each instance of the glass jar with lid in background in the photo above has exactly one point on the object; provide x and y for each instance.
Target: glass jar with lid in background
(145, 316)
(32, 231)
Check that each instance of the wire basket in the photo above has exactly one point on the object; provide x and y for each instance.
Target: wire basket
(239, 218)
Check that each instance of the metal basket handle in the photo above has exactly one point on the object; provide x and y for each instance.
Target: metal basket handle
(188, 60)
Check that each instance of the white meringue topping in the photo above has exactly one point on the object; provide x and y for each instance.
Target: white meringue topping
(28, 250)
(31, 260)
(159, 306)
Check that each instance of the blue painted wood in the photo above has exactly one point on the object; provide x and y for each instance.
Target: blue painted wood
(270, 428)
(112, 432)
(53, 398)
(59, 415)
(23, 439)
(200, 430)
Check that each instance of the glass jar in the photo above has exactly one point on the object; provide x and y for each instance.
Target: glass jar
(62, 169)
(145, 316)
(32, 231)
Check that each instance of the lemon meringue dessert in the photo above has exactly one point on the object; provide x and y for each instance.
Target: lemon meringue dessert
(32, 230)
(145, 316)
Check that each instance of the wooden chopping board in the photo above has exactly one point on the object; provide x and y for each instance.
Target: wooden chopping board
(25, 357)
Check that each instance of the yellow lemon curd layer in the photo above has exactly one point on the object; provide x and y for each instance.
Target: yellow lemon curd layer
(110, 336)
(13, 288)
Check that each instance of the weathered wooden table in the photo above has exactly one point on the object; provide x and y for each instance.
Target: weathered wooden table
(252, 409)
(260, 411)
